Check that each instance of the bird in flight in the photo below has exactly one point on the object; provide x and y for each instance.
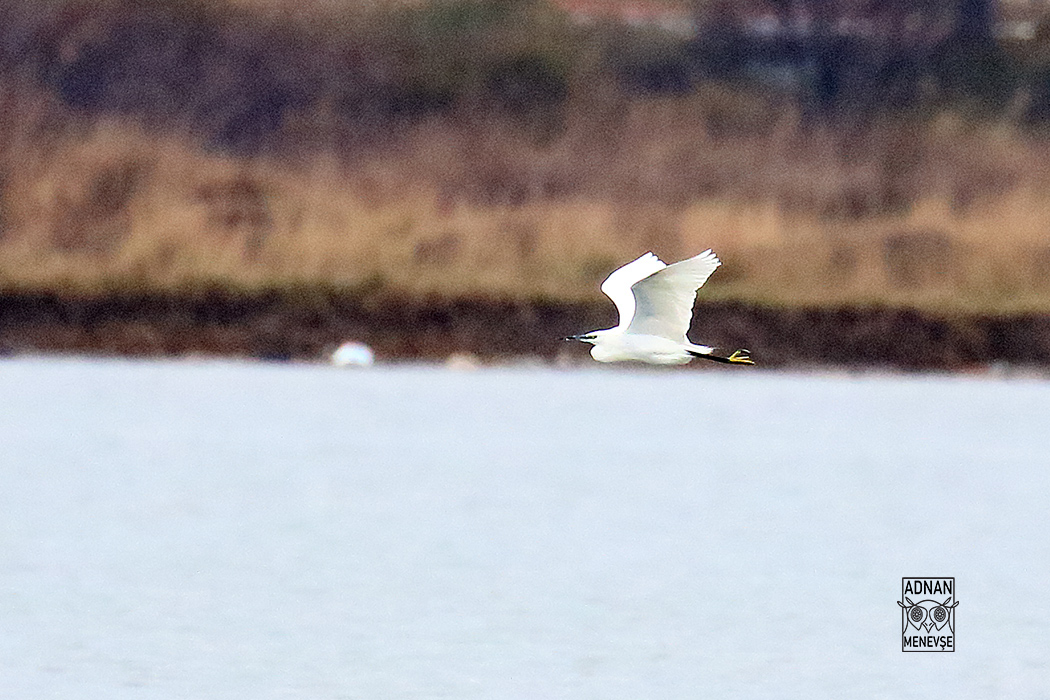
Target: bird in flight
(655, 303)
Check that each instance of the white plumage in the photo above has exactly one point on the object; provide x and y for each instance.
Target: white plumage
(655, 304)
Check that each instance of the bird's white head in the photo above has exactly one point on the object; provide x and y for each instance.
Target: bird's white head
(594, 337)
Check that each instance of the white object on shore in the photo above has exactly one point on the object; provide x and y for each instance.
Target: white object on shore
(462, 361)
(353, 354)
(655, 303)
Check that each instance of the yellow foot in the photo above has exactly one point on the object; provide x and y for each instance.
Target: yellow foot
(742, 357)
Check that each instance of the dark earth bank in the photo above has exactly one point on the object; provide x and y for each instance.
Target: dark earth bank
(308, 325)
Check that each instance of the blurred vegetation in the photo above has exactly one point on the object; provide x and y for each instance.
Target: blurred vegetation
(495, 147)
(237, 75)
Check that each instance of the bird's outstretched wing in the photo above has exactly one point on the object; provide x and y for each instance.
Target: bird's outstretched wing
(617, 286)
(664, 299)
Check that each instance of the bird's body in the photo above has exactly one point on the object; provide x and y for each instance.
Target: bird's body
(655, 303)
(624, 347)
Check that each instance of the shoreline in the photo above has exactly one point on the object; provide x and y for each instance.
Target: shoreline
(307, 326)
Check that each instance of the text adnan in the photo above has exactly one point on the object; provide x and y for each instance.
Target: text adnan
(928, 586)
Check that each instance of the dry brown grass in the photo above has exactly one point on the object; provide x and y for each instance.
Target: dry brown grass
(943, 216)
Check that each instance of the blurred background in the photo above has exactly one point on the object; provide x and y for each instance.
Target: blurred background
(261, 177)
(446, 183)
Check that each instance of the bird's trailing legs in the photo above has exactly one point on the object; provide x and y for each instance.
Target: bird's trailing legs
(739, 357)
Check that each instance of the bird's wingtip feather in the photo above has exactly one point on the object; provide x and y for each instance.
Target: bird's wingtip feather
(709, 255)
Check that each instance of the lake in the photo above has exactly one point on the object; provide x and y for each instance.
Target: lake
(239, 530)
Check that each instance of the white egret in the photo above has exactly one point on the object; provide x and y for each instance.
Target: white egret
(655, 303)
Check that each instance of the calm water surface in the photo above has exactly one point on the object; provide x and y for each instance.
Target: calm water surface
(218, 530)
